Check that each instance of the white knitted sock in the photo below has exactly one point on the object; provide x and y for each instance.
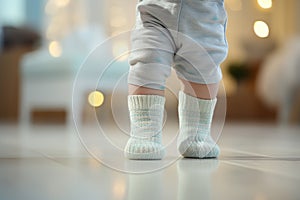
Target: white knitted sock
(195, 117)
(146, 118)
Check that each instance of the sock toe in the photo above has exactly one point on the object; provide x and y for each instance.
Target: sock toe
(197, 149)
(143, 150)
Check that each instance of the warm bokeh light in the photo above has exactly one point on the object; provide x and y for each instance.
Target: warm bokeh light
(55, 49)
(61, 3)
(96, 98)
(234, 5)
(265, 3)
(261, 29)
(120, 50)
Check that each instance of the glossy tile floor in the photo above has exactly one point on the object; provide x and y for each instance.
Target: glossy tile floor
(258, 161)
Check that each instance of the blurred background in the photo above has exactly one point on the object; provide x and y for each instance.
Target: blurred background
(44, 44)
(66, 60)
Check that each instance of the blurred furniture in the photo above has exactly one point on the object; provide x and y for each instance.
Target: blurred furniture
(46, 85)
(295, 112)
(48, 81)
(15, 43)
(56, 84)
(13, 37)
(244, 104)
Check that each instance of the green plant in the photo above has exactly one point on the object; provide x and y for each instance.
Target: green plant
(238, 71)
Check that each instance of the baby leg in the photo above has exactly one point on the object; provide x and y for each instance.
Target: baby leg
(151, 59)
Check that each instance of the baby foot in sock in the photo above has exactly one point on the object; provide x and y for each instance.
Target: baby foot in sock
(195, 117)
(146, 115)
(193, 148)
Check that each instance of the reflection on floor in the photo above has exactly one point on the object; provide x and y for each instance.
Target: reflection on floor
(258, 161)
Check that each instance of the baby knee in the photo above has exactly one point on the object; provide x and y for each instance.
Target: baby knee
(149, 68)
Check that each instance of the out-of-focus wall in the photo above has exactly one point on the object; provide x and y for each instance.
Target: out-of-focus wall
(282, 18)
(285, 20)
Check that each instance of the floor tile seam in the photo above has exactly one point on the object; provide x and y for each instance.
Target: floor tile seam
(267, 157)
(279, 173)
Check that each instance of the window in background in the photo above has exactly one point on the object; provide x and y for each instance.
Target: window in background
(12, 12)
(22, 13)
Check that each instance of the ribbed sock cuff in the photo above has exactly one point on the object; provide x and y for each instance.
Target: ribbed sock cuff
(187, 102)
(145, 102)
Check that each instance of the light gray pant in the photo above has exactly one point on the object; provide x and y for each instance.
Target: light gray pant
(188, 35)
